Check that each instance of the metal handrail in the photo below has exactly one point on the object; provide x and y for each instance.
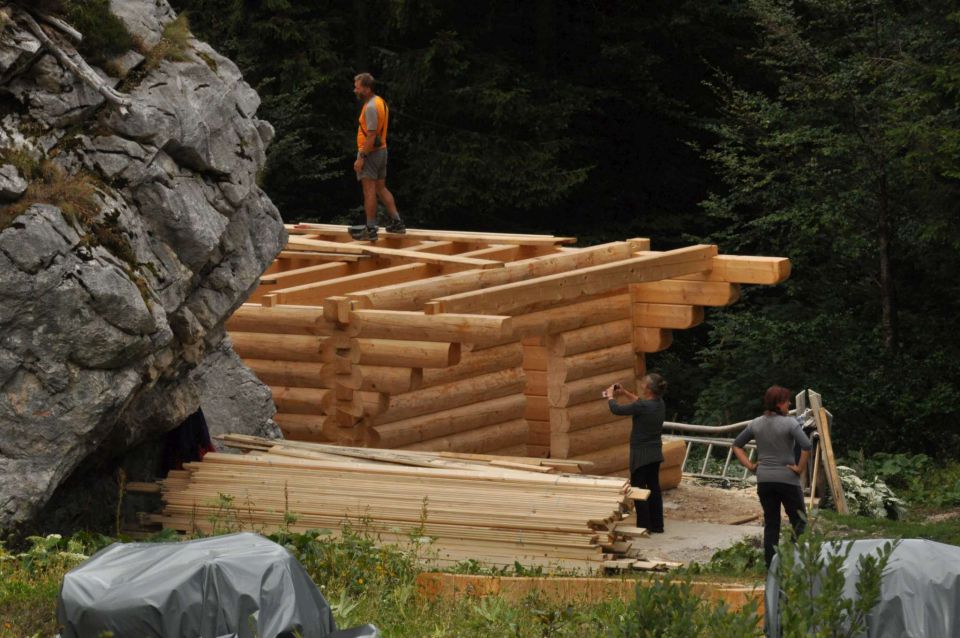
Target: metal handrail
(710, 429)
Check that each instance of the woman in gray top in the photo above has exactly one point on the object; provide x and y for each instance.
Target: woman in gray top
(778, 476)
(646, 449)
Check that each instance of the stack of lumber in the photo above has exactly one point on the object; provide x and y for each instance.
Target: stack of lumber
(487, 509)
(472, 342)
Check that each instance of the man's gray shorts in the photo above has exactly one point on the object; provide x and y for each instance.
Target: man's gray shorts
(375, 166)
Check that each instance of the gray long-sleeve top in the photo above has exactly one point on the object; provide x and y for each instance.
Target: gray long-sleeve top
(645, 443)
(775, 436)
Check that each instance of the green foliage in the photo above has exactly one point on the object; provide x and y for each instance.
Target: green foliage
(743, 560)
(845, 166)
(812, 581)
(944, 528)
(672, 608)
(869, 497)
(919, 479)
(104, 35)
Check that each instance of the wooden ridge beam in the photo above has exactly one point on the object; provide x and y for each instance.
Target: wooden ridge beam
(532, 294)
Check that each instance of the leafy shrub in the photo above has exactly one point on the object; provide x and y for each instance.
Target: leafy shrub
(670, 608)
(870, 498)
(812, 583)
(104, 34)
(742, 559)
(919, 479)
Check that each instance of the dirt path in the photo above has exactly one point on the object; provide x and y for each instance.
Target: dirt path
(699, 520)
(705, 504)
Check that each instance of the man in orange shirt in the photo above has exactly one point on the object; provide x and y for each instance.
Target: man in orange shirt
(371, 163)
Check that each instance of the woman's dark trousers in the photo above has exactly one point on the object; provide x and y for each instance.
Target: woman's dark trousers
(650, 511)
(772, 497)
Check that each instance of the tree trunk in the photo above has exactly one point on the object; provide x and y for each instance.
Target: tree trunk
(888, 300)
(360, 35)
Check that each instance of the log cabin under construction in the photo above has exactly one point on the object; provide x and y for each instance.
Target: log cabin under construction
(475, 342)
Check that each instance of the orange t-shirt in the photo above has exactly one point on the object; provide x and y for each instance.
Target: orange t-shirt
(374, 116)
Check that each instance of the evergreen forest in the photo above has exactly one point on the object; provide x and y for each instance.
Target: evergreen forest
(826, 131)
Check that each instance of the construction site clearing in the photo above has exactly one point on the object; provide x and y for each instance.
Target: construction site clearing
(447, 386)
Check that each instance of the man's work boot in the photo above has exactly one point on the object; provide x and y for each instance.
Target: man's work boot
(362, 232)
(395, 225)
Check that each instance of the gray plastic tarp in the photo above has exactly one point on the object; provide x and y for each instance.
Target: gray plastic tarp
(227, 586)
(919, 597)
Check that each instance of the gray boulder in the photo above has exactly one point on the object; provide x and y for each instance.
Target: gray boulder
(12, 186)
(112, 314)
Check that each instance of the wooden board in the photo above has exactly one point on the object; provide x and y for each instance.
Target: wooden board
(828, 459)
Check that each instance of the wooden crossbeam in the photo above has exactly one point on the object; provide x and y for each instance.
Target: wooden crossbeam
(524, 296)
(408, 255)
(319, 256)
(315, 292)
(412, 295)
(341, 232)
(309, 274)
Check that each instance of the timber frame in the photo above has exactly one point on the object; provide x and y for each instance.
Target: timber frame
(473, 342)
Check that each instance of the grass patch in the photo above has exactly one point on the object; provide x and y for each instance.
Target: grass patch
(75, 196)
(49, 184)
(837, 526)
(173, 45)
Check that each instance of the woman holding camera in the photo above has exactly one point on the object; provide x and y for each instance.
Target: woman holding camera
(778, 470)
(646, 450)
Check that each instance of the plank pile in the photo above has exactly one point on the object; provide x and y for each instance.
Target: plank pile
(489, 509)
(473, 342)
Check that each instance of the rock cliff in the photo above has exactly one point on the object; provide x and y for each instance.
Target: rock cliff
(131, 226)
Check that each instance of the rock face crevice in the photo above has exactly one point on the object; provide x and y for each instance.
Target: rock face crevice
(111, 319)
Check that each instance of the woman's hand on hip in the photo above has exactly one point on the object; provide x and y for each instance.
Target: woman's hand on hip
(796, 469)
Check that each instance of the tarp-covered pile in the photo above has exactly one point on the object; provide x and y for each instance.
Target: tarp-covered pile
(236, 586)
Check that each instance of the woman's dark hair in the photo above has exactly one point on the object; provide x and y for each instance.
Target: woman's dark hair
(774, 396)
(656, 384)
